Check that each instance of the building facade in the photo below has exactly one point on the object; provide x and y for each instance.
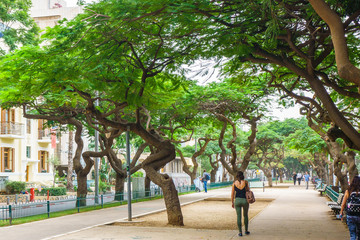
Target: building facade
(25, 148)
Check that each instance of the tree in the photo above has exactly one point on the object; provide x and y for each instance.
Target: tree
(346, 68)
(309, 143)
(270, 153)
(16, 26)
(289, 42)
(231, 104)
(125, 73)
(192, 173)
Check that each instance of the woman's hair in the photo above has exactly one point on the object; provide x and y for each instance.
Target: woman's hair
(355, 185)
(239, 176)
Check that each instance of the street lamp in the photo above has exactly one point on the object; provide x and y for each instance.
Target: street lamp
(128, 171)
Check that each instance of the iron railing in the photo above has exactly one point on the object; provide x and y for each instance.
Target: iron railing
(26, 209)
(11, 128)
(43, 134)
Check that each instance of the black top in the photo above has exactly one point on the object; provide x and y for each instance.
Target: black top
(240, 193)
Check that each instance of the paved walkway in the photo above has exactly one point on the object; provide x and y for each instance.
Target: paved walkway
(296, 213)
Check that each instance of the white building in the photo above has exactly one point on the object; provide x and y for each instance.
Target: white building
(25, 148)
(25, 145)
(47, 13)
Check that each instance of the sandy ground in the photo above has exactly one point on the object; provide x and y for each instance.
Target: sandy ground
(200, 215)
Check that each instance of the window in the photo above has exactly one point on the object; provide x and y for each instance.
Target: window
(43, 161)
(7, 159)
(28, 151)
(42, 130)
(28, 126)
(7, 120)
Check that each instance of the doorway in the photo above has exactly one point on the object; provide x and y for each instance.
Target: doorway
(27, 173)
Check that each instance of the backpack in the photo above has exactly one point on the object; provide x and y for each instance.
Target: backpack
(353, 204)
(207, 177)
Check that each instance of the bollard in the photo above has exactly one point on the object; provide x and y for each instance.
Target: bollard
(263, 186)
(32, 194)
(102, 201)
(78, 204)
(10, 214)
(8, 200)
(16, 198)
(48, 208)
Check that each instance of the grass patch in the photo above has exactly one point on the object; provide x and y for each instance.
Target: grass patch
(17, 221)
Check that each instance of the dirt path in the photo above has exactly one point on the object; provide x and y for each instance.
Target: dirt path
(208, 214)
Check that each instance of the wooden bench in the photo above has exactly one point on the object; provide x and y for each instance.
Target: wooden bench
(337, 202)
(337, 207)
(317, 185)
(322, 190)
(257, 184)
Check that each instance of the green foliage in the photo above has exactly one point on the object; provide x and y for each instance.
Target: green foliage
(137, 174)
(53, 191)
(305, 140)
(16, 26)
(103, 186)
(14, 187)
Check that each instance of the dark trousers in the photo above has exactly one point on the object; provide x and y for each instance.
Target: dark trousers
(241, 203)
(353, 223)
(299, 180)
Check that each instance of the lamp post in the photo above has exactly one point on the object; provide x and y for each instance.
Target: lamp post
(128, 172)
(96, 165)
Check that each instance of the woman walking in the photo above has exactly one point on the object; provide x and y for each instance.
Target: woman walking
(351, 202)
(238, 199)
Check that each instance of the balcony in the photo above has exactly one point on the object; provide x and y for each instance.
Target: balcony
(44, 136)
(11, 130)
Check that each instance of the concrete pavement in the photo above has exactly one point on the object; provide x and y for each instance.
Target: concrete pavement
(57, 226)
(296, 213)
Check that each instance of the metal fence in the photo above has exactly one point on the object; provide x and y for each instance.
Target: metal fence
(20, 210)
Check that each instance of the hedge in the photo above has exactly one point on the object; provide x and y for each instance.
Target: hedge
(13, 187)
(54, 191)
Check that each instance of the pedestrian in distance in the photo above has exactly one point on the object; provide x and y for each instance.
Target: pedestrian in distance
(351, 203)
(299, 177)
(205, 178)
(294, 178)
(239, 202)
(306, 179)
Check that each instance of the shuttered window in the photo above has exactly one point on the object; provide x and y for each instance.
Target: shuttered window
(43, 166)
(7, 159)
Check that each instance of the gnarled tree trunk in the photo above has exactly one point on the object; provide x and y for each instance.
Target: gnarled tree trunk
(147, 187)
(186, 167)
(281, 174)
(70, 185)
(119, 187)
(171, 198)
(215, 167)
(82, 188)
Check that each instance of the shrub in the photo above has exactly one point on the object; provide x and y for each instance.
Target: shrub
(54, 191)
(103, 186)
(13, 187)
